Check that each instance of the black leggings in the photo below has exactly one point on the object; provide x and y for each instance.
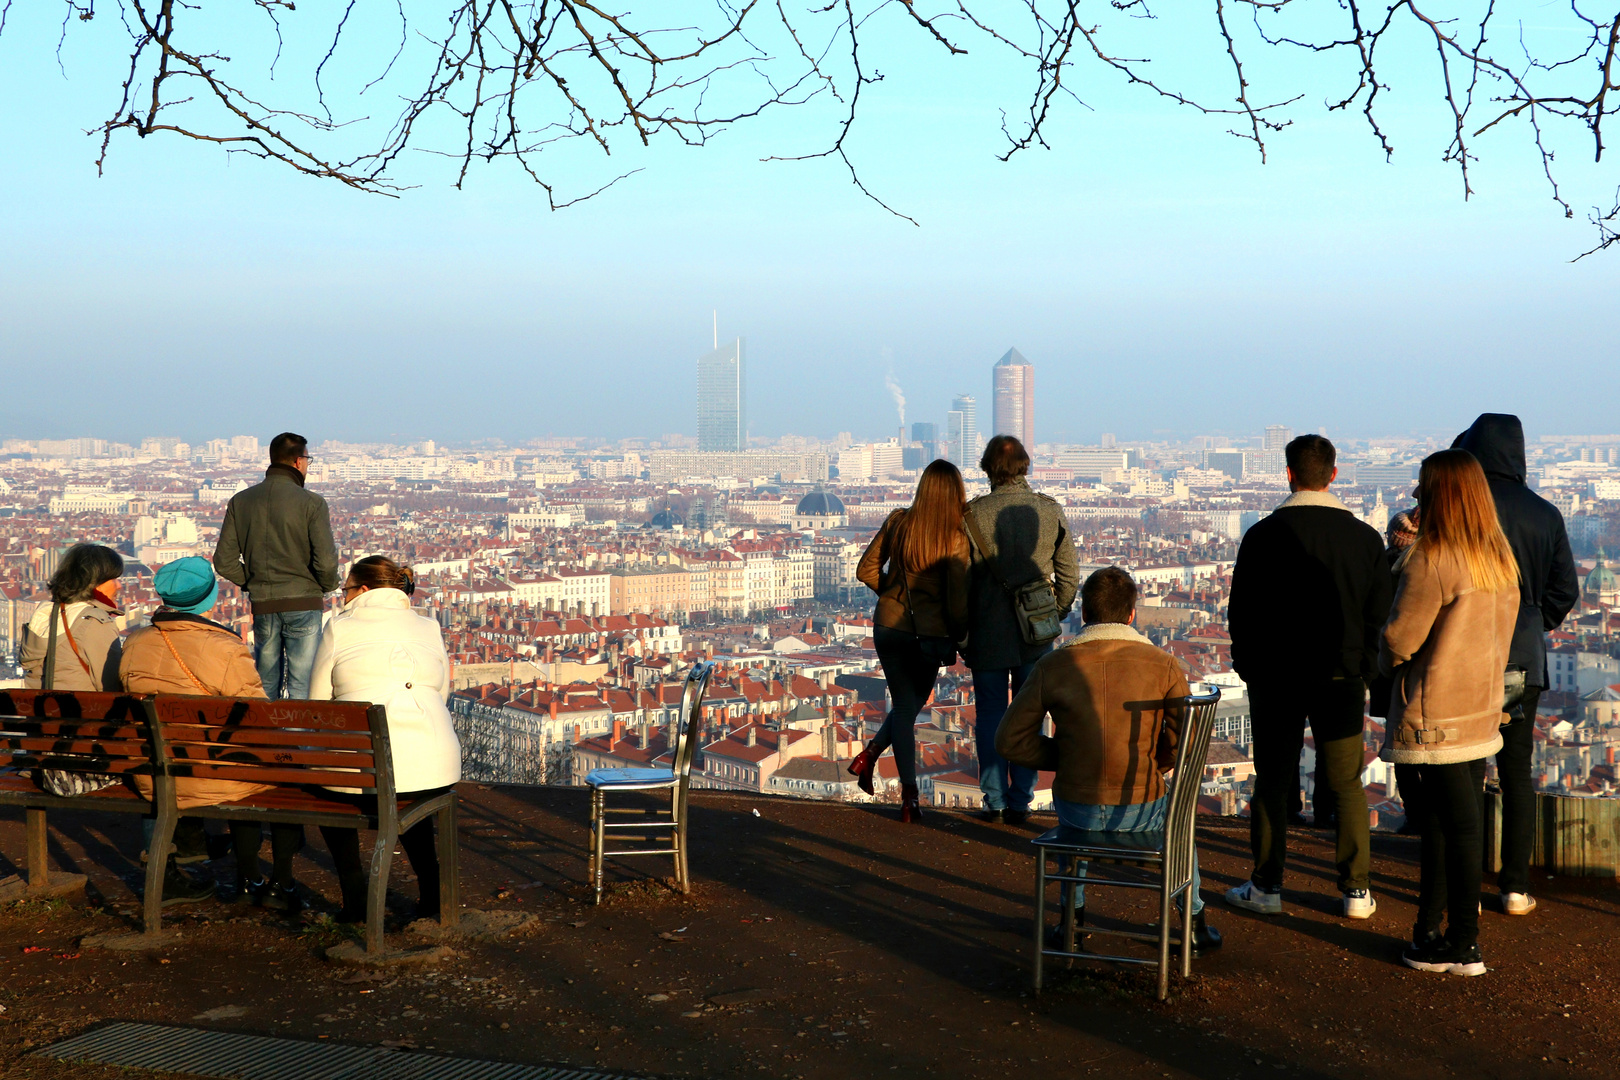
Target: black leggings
(1453, 849)
(910, 676)
(418, 842)
(285, 842)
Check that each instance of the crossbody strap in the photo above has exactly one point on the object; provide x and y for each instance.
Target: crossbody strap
(74, 645)
(984, 549)
(201, 689)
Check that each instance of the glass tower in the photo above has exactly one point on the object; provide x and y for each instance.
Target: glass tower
(962, 431)
(722, 423)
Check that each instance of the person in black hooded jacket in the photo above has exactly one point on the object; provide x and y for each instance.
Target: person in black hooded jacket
(1548, 589)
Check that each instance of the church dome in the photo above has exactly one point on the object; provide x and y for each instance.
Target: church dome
(1602, 581)
(820, 504)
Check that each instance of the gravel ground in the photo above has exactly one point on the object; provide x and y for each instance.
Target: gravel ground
(823, 941)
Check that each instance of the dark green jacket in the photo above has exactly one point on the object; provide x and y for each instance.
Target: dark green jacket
(276, 544)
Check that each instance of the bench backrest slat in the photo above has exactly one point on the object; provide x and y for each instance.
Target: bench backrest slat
(270, 774)
(322, 743)
(312, 716)
(69, 705)
(74, 731)
(265, 739)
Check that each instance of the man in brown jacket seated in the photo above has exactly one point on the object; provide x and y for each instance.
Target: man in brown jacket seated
(1108, 692)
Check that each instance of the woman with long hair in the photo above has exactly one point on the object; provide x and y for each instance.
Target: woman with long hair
(1446, 645)
(918, 566)
(377, 649)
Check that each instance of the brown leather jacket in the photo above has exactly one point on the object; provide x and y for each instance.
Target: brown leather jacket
(1107, 692)
(1447, 645)
(938, 600)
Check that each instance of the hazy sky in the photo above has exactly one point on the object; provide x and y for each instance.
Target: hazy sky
(1156, 274)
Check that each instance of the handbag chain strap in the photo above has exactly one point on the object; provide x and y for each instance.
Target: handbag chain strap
(201, 689)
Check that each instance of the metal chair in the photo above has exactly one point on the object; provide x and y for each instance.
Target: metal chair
(1170, 850)
(674, 779)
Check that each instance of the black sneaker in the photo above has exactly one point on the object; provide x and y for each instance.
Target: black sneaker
(1438, 954)
(994, 817)
(1015, 817)
(260, 894)
(181, 888)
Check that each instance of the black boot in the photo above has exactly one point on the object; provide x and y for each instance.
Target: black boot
(1054, 934)
(1205, 937)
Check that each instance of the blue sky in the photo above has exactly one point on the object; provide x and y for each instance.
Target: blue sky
(1160, 279)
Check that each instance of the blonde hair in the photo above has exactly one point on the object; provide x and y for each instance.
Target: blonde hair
(1458, 515)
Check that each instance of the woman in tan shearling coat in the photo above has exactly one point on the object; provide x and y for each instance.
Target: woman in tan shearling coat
(183, 652)
(1446, 645)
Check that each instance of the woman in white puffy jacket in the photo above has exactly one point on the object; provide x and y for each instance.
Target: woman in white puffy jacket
(377, 649)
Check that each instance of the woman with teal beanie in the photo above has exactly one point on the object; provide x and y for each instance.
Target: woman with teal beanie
(183, 652)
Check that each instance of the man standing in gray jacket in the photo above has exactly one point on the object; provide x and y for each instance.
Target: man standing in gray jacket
(1019, 536)
(276, 545)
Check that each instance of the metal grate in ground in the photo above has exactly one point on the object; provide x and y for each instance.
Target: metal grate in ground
(228, 1055)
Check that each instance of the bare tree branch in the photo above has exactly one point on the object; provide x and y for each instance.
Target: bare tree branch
(487, 80)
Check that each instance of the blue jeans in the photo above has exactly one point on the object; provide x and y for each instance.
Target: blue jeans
(1005, 786)
(284, 644)
(1132, 817)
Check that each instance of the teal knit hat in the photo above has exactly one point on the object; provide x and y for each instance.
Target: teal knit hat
(187, 585)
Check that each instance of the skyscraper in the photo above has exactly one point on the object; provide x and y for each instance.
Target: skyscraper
(1014, 380)
(722, 422)
(1277, 437)
(928, 435)
(962, 431)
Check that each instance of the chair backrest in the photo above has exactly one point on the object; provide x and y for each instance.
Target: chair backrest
(1197, 722)
(76, 731)
(687, 729)
(327, 743)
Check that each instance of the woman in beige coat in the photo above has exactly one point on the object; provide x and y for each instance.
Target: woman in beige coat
(72, 643)
(1446, 645)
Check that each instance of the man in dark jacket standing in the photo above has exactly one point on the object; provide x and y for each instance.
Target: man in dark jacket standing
(1548, 589)
(1018, 536)
(1310, 592)
(276, 545)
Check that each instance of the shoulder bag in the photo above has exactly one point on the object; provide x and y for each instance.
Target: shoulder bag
(1035, 603)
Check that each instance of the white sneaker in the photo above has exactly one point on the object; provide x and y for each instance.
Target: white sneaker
(1518, 903)
(1251, 897)
(1359, 904)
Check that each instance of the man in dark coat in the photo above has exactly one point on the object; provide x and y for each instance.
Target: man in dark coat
(1310, 592)
(1548, 589)
(276, 545)
(1019, 536)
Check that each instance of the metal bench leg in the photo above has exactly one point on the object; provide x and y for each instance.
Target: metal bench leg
(157, 862)
(382, 858)
(39, 871)
(449, 867)
(1040, 917)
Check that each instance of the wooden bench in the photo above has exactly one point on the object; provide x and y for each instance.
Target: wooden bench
(78, 733)
(300, 747)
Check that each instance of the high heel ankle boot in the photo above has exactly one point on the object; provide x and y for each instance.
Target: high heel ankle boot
(862, 768)
(910, 808)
